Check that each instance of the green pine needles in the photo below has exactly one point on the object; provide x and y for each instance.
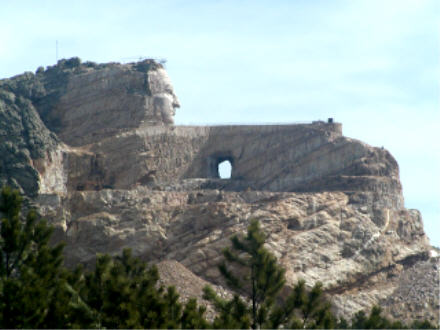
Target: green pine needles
(31, 277)
(122, 292)
(260, 300)
(36, 291)
(258, 278)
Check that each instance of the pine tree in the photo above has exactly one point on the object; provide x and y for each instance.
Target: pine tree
(32, 281)
(375, 320)
(37, 292)
(232, 314)
(258, 278)
(122, 292)
(193, 316)
(303, 309)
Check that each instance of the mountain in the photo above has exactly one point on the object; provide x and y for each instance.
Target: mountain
(95, 148)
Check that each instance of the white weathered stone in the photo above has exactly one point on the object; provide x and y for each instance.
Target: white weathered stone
(119, 175)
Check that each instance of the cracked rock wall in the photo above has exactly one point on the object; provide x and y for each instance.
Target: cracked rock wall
(94, 147)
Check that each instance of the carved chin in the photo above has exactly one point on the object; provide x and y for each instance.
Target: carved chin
(169, 122)
(168, 119)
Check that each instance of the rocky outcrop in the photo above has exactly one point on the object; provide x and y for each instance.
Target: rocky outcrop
(105, 115)
(330, 237)
(24, 139)
(93, 146)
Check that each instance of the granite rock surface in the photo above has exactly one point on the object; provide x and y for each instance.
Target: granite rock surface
(94, 147)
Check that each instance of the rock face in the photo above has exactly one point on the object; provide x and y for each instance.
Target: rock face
(94, 147)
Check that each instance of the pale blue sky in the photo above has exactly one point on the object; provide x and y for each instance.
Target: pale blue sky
(372, 65)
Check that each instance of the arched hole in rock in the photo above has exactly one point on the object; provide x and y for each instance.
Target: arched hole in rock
(225, 169)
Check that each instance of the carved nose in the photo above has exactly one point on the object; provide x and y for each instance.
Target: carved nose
(176, 103)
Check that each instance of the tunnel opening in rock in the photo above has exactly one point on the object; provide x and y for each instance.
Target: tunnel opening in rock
(220, 166)
(224, 169)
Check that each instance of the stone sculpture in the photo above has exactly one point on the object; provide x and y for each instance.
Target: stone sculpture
(95, 148)
(165, 101)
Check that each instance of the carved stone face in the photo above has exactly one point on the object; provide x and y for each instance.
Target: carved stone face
(164, 100)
